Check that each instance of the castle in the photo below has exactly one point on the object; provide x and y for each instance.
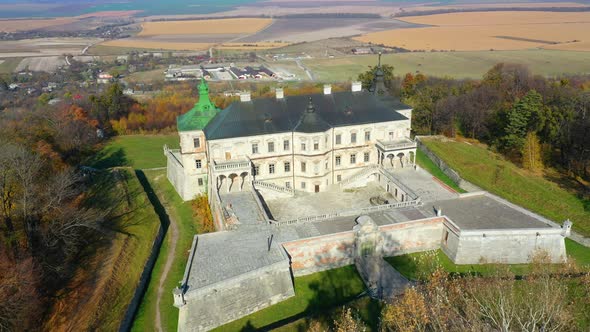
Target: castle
(301, 184)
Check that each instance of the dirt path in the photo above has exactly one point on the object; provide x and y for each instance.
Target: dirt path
(172, 241)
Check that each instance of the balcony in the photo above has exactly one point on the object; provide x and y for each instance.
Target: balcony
(404, 143)
(232, 165)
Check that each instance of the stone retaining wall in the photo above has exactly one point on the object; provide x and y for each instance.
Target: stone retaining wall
(445, 168)
(220, 303)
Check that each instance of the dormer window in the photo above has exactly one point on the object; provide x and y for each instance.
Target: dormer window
(197, 142)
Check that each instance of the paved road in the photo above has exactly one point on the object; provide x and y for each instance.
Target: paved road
(307, 71)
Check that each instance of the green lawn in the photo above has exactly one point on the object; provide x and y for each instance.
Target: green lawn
(423, 161)
(493, 173)
(315, 294)
(137, 151)
(418, 265)
(182, 213)
(453, 64)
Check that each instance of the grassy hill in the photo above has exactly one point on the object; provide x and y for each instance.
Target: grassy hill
(102, 288)
(548, 194)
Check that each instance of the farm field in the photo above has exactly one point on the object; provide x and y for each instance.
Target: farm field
(134, 43)
(491, 172)
(44, 47)
(453, 64)
(8, 65)
(21, 25)
(216, 26)
(490, 30)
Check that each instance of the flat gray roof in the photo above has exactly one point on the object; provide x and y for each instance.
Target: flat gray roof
(486, 212)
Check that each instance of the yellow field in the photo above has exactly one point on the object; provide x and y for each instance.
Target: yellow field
(219, 26)
(491, 30)
(156, 45)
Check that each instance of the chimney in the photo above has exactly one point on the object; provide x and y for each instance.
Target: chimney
(245, 96)
(357, 86)
(327, 89)
(280, 93)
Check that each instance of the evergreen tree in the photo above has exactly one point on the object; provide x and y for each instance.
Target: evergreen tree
(524, 116)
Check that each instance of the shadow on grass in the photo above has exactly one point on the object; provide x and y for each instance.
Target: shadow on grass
(109, 157)
(164, 221)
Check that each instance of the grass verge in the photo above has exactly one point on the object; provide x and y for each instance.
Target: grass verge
(315, 295)
(546, 195)
(137, 151)
(423, 161)
(172, 207)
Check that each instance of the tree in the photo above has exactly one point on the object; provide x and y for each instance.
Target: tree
(367, 77)
(522, 118)
(531, 153)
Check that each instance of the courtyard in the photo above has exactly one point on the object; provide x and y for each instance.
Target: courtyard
(334, 199)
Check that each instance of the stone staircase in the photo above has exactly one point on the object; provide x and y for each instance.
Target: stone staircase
(274, 187)
(359, 175)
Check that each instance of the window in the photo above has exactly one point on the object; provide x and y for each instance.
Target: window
(303, 147)
(302, 185)
(287, 167)
(256, 169)
(353, 138)
(286, 145)
(316, 167)
(197, 142)
(353, 158)
(326, 140)
(338, 139)
(326, 165)
(367, 136)
(316, 146)
(254, 148)
(338, 178)
(271, 169)
(288, 184)
(446, 236)
(271, 146)
(303, 167)
(338, 160)
(200, 181)
(391, 135)
(367, 157)
(198, 163)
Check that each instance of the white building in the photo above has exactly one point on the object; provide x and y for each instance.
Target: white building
(305, 142)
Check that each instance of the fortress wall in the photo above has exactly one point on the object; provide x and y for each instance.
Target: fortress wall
(321, 253)
(413, 236)
(508, 246)
(175, 174)
(228, 300)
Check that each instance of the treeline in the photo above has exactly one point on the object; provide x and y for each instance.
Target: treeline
(48, 208)
(547, 298)
(530, 119)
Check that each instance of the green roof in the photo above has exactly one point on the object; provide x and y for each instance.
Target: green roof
(200, 115)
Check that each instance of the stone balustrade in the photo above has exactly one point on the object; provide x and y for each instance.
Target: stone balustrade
(237, 165)
(397, 145)
(272, 186)
(348, 213)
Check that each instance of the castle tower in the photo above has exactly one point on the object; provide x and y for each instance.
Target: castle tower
(191, 176)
